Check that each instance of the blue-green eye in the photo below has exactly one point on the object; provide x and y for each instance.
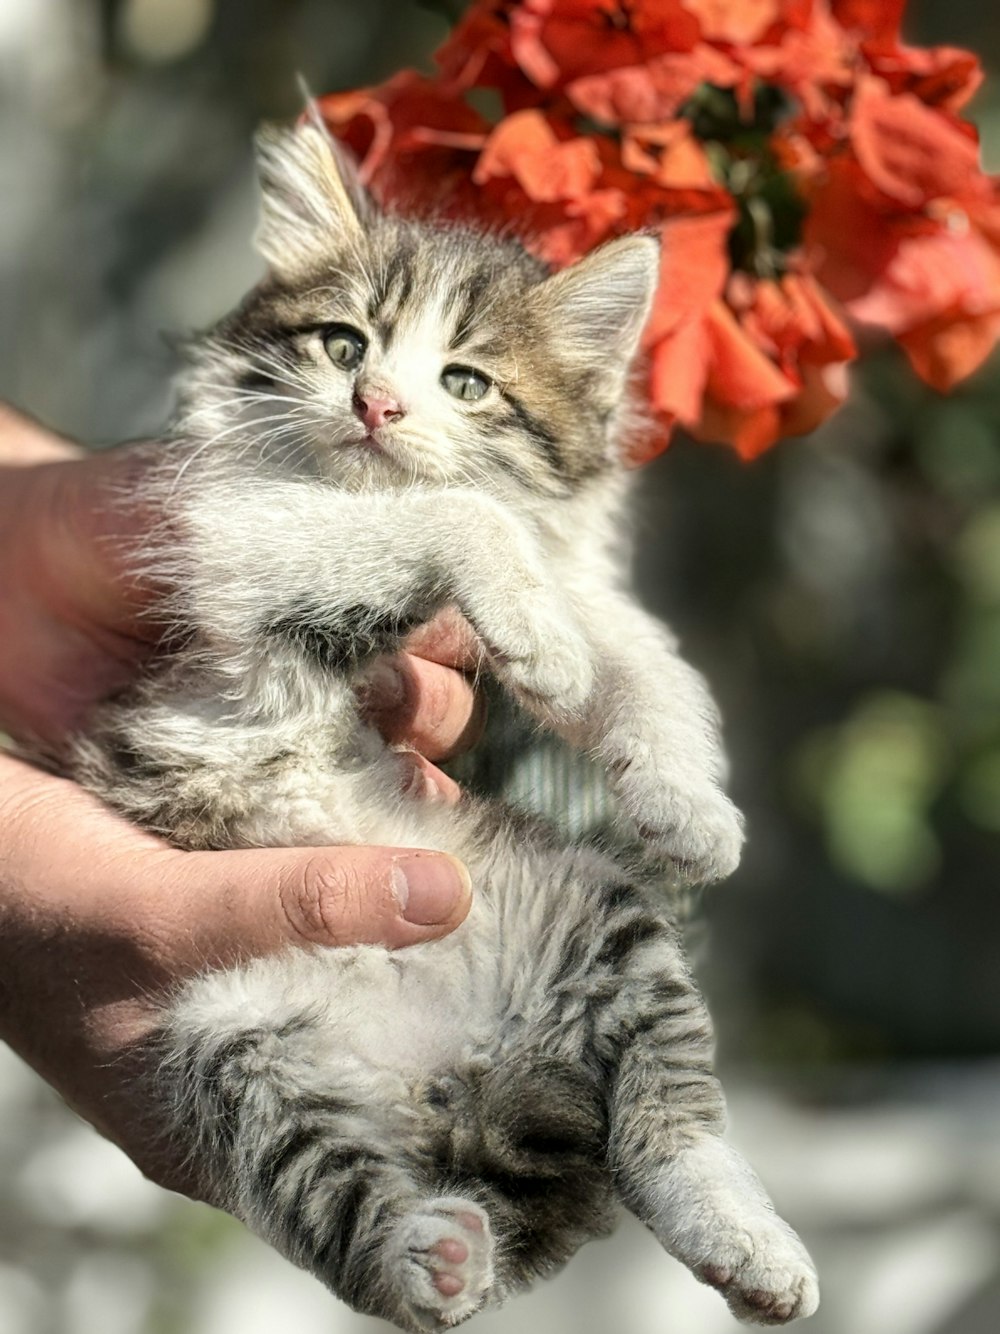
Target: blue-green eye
(465, 383)
(345, 346)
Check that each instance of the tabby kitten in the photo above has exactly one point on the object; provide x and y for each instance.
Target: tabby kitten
(404, 416)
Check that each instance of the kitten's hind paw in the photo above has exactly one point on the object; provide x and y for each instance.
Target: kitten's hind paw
(767, 1277)
(441, 1262)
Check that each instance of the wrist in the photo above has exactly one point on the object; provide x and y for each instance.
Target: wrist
(24, 443)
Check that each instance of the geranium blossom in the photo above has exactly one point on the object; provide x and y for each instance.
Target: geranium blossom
(806, 170)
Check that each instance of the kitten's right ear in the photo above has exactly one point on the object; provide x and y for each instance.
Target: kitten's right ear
(312, 199)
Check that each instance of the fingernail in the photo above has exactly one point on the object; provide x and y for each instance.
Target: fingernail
(383, 688)
(429, 886)
(420, 785)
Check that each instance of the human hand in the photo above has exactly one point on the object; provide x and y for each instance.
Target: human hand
(76, 622)
(98, 919)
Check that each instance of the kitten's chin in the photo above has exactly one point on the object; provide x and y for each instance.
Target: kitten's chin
(377, 461)
(364, 462)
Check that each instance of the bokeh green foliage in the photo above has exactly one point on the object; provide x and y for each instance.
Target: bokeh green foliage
(888, 779)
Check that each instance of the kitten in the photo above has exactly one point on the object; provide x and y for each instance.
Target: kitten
(404, 416)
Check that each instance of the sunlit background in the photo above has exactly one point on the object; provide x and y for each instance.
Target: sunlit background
(843, 595)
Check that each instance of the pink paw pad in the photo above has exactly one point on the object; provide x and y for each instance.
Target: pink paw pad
(448, 1267)
(449, 1285)
(451, 1249)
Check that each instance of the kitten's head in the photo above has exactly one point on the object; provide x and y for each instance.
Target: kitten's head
(381, 351)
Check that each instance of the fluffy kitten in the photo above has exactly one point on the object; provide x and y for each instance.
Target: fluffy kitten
(402, 417)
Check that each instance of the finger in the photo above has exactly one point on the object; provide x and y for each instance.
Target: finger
(418, 703)
(448, 639)
(430, 782)
(25, 442)
(242, 904)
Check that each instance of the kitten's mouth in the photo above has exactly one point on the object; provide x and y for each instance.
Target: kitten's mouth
(369, 441)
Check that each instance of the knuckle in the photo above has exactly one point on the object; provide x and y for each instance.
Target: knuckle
(323, 902)
(450, 717)
(439, 698)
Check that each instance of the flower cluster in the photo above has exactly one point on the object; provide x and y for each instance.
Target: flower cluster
(809, 174)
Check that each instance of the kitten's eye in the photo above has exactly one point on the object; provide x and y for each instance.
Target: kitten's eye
(464, 382)
(345, 346)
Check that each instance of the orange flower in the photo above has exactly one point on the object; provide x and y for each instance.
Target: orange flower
(792, 154)
(653, 91)
(815, 63)
(415, 144)
(546, 166)
(694, 267)
(739, 22)
(778, 366)
(910, 153)
(742, 361)
(908, 233)
(874, 20)
(557, 41)
(536, 174)
(939, 295)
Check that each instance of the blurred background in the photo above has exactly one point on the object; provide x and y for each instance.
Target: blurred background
(842, 594)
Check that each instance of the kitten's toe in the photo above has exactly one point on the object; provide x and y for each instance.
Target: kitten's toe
(765, 1275)
(442, 1262)
(697, 830)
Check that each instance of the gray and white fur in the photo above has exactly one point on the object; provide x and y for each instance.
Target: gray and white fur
(429, 1130)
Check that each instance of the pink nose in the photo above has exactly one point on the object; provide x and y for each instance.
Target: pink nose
(376, 410)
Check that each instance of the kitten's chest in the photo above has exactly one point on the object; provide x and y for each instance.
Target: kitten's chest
(416, 1010)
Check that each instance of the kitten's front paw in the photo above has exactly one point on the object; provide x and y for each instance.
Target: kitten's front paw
(699, 832)
(696, 829)
(441, 1262)
(547, 665)
(765, 1274)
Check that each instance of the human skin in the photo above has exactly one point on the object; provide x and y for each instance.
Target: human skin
(98, 920)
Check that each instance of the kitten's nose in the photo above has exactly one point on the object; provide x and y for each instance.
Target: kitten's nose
(376, 409)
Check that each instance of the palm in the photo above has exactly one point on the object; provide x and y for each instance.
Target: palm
(73, 612)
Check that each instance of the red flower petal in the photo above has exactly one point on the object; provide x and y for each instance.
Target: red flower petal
(824, 389)
(525, 147)
(930, 275)
(948, 350)
(413, 141)
(694, 265)
(654, 90)
(736, 21)
(557, 41)
(679, 372)
(941, 77)
(751, 433)
(910, 153)
(477, 52)
(671, 157)
(741, 375)
(878, 20)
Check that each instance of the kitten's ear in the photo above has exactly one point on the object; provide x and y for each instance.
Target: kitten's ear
(312, 199)
(598, 306)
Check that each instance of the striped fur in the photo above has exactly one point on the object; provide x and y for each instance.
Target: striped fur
(431, 1130)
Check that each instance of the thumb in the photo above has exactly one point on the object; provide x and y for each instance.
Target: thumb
(246, 903)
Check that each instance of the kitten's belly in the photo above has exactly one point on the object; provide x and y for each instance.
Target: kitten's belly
(412, 1011)
(341, 1012)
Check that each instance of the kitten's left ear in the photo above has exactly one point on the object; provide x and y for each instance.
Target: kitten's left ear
(312, 200)
(598, 306)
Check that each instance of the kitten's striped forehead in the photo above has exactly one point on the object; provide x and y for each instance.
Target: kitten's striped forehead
(415, 282)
